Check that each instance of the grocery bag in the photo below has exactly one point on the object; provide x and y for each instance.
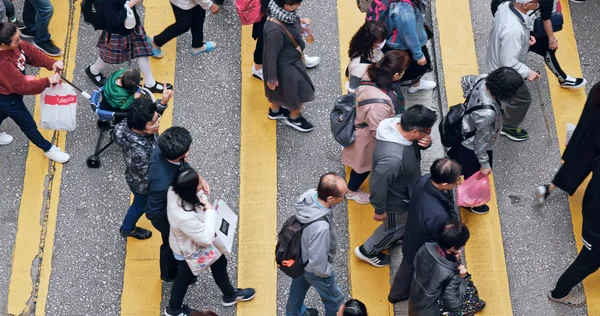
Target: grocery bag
(59, 108)
(475, 191)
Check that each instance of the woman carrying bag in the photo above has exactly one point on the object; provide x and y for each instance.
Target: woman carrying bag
(195, 244)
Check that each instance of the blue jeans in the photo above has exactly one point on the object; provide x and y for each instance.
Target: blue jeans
(135, 211)
(36, 16)
(330, 293)
(12, 106)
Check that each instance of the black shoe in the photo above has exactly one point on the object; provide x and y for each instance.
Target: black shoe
(379, 260)
(311, 312)
(156, 89)
(240, 295)
(20, 25)
(573, 83)
(479, 210)
(282, 114)
(48, 47)
(168, 280)
(517, 134)
(183, 311)
(137, 233)
(479, 306)
(99, 79)
(300, 124)
(27, 34)
(396, 300)
(541, 193)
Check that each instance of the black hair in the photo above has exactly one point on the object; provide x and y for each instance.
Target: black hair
(504, 82)
(131, 79)
(174, 142)
(445, 170)
(140, 113)
(453, 234)
(418, 117)
(367, 35)
(281, 3)
(328, 186)
(354, 308)
(185, 184)
(393, 62)
(7, 31)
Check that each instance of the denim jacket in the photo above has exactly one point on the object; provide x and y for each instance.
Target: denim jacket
(408, 22)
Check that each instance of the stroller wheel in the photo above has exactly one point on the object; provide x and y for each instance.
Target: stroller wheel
(93, 161)
(103, 124)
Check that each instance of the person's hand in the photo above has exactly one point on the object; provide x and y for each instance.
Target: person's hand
(306, 21)
(204, 186)
(54, 79)
(485, 171)
(272, 86)
(137, 95)
(531, 40)
(553, 43)
(422, 61)
(214, 9)
(58, 66)
(167, 95)
(379, 218)
(533, 75)
(462, 271)
(425, 141)
(132, 3)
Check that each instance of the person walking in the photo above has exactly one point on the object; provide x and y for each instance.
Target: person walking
(287, 84)
(36, 17)
(482, 127)
(508, 45)
(11, 14)
(124, 39)
(193, 222)
(389, 102)
(365, 49)
(431, 206)
(396, 165)
(407, 32)
(14, 55)
(319, 246)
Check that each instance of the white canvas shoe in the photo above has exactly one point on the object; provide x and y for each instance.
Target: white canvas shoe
(5, 139)
(57, 155)
(312, 61)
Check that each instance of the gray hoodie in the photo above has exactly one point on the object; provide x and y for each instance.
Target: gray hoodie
(319, 243)
(396, 165)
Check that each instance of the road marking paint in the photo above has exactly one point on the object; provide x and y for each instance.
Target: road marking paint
(459, 59)
(142, 286)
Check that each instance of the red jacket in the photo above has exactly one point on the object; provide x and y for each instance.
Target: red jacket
(12, 76)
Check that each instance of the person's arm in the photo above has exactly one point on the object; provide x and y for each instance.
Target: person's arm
(17, 83)
(318, 257)
(454, 293)
(546, 8)
(115, 14)
(407, 28)
(377, 113)
(467, 83)
(202, 233)
(36, 57)
(157, 196)
(481, 143)
(274, 41)
(382, 178)
(510, 48)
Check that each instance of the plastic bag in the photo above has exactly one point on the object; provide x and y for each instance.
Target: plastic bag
(59, 108)
(475, 191)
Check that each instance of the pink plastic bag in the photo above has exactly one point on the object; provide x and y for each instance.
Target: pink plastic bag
(474, 191)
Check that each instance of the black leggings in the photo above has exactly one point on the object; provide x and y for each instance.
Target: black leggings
(192, 19)
(185, 277)
(467, 159)
(542, 48)
(356, 180)
(586, 263)
(257, 34)
(414, 72)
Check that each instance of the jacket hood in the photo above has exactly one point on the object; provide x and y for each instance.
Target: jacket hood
(308, 209)
(387, 131)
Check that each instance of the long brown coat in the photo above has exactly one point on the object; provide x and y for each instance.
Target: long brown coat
(359, 155)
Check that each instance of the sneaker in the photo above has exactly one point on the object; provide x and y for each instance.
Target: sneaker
(27, 34)
(158, 87)
(258, 74)
(183, 311)
(379, 260)
(479, 210)
(48, 47)
(517, 134)
(20, 25)
(282, 114)
(479, 306)
(541, 193)
(423, 85)
(57, 155)
(573, 83)
(137, 233)
(99, 79)
(312, 61)
(240, 295)
(570, 130)
(5, 139)
(300, 124)
(572, 299)
(360, 197)
(311, 312)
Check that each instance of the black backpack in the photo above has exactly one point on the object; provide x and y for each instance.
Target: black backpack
(494, 5)
(451, 125)
(93, 13)
(288, 252)
(343, 116)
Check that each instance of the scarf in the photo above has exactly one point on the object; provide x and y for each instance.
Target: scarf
(282, 15)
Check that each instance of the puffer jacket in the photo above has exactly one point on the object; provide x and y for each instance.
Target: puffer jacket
(486, 123)
(435, 278)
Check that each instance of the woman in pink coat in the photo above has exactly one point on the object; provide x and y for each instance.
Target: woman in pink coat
(381, 100)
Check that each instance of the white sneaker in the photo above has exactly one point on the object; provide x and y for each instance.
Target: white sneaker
(5, 139)
(312, 61)
(424, 85)
(360, 197)
(57, 155)
(257, 73)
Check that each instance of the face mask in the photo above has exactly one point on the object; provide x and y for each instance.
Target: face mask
(380, 45)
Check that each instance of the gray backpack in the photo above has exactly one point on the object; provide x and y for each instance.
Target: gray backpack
(343, 116)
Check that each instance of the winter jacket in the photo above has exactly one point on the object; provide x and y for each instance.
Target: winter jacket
(319, 243)
(136, 150)
(115, 95)
(435, 277)
(191, 230)
(508, 43)
(12, 63)
(486, 123)
(118, 17)
(396, 165)
(160, 175)
(429, 209)
(189, 4)
(358, 66)
(408, 23)
(359, 155)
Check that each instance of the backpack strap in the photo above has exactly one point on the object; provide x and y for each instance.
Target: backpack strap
(320, 219)
(289, 34)
(473, 109)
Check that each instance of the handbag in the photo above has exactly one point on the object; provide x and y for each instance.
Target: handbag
(58, 108)
(556, 19)
(202, 259)
(472, 304)
(290, 36)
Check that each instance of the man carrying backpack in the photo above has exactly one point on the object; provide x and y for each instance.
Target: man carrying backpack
(508, 46)
(318, 247)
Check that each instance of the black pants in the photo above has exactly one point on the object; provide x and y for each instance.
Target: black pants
(356, 180)
(542, 48)
(257, 34)
(586, 263)
(12, 106)
(192, 19)
(467, 159)
(168, 264)
(401, 287)
(185, 277)
(414, 72)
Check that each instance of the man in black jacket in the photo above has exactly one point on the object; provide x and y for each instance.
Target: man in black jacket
(431, 205)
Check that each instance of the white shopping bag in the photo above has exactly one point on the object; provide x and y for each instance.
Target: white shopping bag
(226, 223)
(59, 108)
